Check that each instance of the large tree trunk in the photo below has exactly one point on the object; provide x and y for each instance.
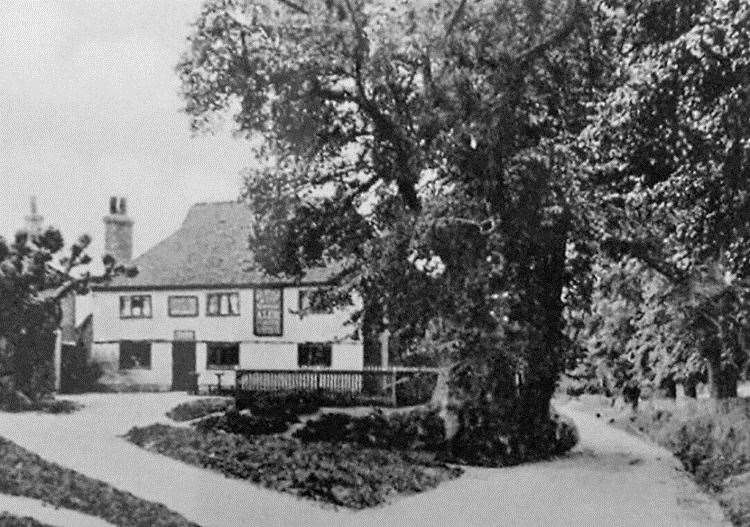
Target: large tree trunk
(545, 360)
(722, 378)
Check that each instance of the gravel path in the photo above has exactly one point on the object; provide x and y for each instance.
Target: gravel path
(611, 478)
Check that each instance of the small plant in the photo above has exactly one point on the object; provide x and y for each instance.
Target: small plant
(234, 422)
(199, 408)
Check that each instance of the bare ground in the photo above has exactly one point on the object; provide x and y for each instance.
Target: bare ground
(610, 478)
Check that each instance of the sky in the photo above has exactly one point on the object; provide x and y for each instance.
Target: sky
(90, 108)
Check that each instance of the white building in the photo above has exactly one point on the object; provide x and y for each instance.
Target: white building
(195, 307)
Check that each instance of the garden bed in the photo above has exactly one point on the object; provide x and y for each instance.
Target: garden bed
(23, 473)
(343, 474)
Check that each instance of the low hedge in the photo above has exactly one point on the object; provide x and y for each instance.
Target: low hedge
(343, 474)
(199, 408)
(23, 473)
(293, 403)
(234, 422)
(420, 429)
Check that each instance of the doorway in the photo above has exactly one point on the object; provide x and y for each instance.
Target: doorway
(184, 377)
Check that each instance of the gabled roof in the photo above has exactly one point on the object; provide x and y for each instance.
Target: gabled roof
(209, 250)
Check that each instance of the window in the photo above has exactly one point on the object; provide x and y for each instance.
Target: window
(314, 354)
(223, 355)
(135, 306)
(305, 304)
(268, 319)
(135, 355)
(182, 306)
(222, 304)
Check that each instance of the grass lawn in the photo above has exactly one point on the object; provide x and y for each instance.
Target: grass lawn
(712, 442)
(343, 474)
(23, 473)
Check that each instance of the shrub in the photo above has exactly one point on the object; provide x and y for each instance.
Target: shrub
(14, 401)
(234, 422)
(342, 474)
(712, 443)
(416, 389)
(421, 429)
(495, 435)
(198, 408)
(8, 520)
(79, 374)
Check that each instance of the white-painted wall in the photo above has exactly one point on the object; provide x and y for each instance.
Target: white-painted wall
(255, 352)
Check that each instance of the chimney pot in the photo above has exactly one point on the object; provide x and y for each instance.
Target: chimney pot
(34, 221)
(118, 231)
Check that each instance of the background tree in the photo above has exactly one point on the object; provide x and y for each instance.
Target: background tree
(34, 275)
(668, 157)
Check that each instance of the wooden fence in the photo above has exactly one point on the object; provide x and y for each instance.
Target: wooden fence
(377, 382)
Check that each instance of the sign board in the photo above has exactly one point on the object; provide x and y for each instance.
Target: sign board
(183, 306)
(268, 313)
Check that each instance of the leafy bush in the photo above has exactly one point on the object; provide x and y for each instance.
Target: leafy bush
(495, 436)
(234, 422)
(421, 429)
(25, 474)
(198, 408)
(8, 520)
(342, 474)
(79, 374)
(417, 389)
(14, 401)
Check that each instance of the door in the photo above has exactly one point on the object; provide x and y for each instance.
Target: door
(183, 362)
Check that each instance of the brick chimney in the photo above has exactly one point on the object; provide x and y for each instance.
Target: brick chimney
(34, 221)
(118, 231)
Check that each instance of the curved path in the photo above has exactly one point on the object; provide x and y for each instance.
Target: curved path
(610, 478)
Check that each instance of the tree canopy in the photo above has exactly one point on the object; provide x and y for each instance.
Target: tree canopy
(465, 165)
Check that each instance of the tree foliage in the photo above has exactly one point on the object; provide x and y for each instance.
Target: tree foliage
(668, 153)
(35, 273)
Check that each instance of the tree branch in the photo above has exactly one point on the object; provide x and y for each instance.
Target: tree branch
(294, 6)
(455, 18)
(642, 252)
(527, 56)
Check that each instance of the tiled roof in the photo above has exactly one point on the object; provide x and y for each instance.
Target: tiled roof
(210, 249)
